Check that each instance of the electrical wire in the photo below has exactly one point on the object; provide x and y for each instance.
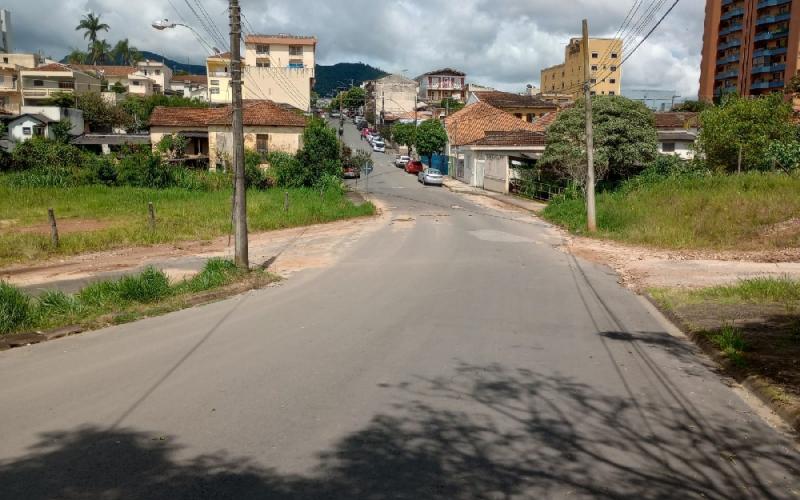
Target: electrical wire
(209, 47)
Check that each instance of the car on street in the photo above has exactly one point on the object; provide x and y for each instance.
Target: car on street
(401, 161)
(414, 167)
(362, 125)
(351, 172)
(378, 145)
(430, 176)
(335, 114)
(373, 136)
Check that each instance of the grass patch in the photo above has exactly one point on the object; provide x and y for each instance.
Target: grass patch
(721, 212)
(755, 290)
(730, 341)
(120, 301)
(182, 215)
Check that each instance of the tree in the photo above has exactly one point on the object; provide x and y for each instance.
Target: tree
(431, 138)
(173, 146)
(118, 88)
(61, 100)
(100, 51)
(625, 139)
(747, 126)
(91, 25)
(139, 108)
(451, 104)
(784, 155)
(61, 131)
(125, 54)
(692, 106)
(101, 116)
(77, 57)
(405, 134)
(355, 98)
(320, 153)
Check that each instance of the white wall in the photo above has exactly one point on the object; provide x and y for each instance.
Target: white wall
(15, 130)
(75, 116)
(683, 149)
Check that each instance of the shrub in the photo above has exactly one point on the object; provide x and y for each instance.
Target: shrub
(217, 272)
(147, 287)
(330, 183)
(254, 175)
(43, 153)
(173, 145)
(143, 168)
(15, 308)
(320, 153)
(287, 170)
(98, 294)
(56, 303)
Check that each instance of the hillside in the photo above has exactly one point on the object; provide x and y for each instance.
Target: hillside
(192, 69)
(328, 77)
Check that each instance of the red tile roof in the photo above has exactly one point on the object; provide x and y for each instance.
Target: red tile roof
(164, 116)
(474, 121)
(544, 122)
(106, 70)
(197, 79)
(676, 120)
(52, 67)
(518, 138)
(509, 100)
(261, 113)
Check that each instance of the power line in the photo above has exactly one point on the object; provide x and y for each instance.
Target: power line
(209, 47)
(210, 31)
(211, 22)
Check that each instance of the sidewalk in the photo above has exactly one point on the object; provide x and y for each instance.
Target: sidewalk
(457, 186)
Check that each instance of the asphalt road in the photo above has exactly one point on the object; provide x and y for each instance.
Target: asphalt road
(453, 353)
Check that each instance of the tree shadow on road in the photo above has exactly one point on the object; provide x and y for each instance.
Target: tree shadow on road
(482, 432)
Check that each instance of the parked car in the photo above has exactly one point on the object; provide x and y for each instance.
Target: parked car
(362, 125)
(335, 114)
(401, 161)
(351, 172)
(430, 176)
(374, 136)
(414, 167)
(378, 145)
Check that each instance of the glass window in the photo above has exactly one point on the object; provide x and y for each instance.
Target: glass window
(262, 144)
(38, 131)
(38, 83)
(595, 55)
(613, 55)
(611, 92)
(295, 50)
(668, 147)
(26, 131)
(262, 49)
(158, 72)
(613, 68)
(215, 90)
(612, 80)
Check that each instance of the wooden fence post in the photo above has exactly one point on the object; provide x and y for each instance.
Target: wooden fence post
(53, 227)
(151, 212)
(286, 201)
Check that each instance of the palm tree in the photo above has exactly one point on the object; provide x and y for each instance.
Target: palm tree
(100, 51)
(91, 25)
(77, 56)
(125, 54)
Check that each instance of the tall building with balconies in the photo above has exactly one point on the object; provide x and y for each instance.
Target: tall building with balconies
(750, 47)
(441, 84)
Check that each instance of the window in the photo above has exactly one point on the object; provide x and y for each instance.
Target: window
(38, 83)
(531, 117)
(612, 80)
(295, 50)
(214, 90)
(5, 59)
(594, 67)
(213, 82)
(595, 55)
(613, 55)
(611, 92)
(145, 72)
(158, 72)
(136, 83)
(296, 63)
(613, 68)
(26, 131)
(593, 80)
(38, 131)
(66, 85)
(262, 144)
(262, 49)
(262, 64)
(592, 93)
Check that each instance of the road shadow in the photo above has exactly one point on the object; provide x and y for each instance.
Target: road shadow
(482, 432)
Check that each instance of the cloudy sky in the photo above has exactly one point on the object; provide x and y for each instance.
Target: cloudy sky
(501, 43)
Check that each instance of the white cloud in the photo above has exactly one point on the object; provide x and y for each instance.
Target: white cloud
(503, 43)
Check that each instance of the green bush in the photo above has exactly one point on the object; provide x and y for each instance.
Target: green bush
(42, 153)
(15, 308)
(143, 168)
(98, 294)
(217, 272)
(255, 176)
(330, 183)
(58, 177)
(56, 303)
(149, 286)
(287, 170)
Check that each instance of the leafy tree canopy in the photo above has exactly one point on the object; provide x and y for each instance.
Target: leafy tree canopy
(746, 124)
(431, 138)
(405, 134)
(320, 154)
(625, 139)
(692, 106)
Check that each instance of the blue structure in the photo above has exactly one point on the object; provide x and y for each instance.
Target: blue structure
(440, 162)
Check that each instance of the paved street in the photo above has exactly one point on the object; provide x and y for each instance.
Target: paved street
(452, 353)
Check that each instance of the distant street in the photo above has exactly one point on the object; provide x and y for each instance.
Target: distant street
(453, 352)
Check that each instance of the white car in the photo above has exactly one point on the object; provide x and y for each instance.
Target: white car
(401, 161)
(378, 145)
(373, 137)
(430, 176)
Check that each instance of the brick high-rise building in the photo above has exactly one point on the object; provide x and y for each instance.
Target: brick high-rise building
(750, 47)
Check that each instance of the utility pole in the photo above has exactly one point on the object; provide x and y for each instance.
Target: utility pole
(239, 189)
(591, 216)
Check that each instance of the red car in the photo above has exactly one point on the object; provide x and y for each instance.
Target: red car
(414, 167)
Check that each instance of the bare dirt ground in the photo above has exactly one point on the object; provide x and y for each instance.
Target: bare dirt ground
(284, 251)
(64, 226)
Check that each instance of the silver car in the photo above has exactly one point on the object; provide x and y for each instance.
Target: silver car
(431, 176)
(378, 146)
(401, 161)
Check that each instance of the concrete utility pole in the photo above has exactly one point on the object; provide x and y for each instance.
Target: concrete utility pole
(239, 189)
(591, 216)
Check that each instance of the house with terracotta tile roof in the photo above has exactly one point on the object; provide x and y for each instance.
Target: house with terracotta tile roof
(525, 107)
(489, 145)
(43, 82)
(677, 132)
(268, 127)
(279, 68)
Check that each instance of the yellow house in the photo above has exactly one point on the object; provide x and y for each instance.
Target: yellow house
(10, 88)
(279, 68)
(268, 127)
(605, 58)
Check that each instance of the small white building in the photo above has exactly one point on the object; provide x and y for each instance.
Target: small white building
(677, 133)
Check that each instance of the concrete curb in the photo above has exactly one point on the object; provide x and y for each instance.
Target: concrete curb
(487, 195)
(756, 385)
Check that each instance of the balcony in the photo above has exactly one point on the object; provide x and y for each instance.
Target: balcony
(727, 74)
(44, 92)
(771, 35)
(9, 87)
(731, 29)
(772, 3)
(727, 60)
(769, 52)
(219, 74)
(727, 89)
(768, 68)
(729, 45)
(767, 84)
(732, 13)
(773, 19)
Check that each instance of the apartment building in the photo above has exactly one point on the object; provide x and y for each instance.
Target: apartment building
(10, 87)
(41, 83)
(750, 47)
(157, 72)
(441, 84)
(391, 96)
(280, 68)
(605, 57)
